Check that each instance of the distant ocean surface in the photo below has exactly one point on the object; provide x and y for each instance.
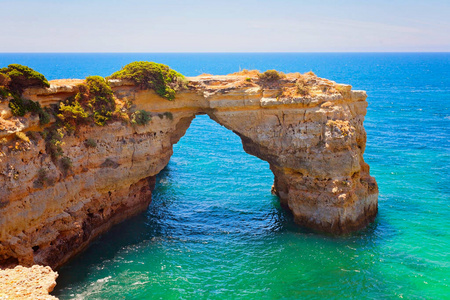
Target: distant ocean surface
(214, 231)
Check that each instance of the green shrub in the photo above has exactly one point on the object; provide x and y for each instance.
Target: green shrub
(41, 178)
(168, 115)
(53, 138)
(90, 143)
(72, 114)
(149, 75)
(101, 119)
(14, 79)
(66, 163)
(44, 117)
(32, 106)
(248, 79)
(122, 115)
(4, 93)
(97, 98)
(20, 77)
(270, 75)
(100, 93)
(140, 117)
(55, 148)
(19, 107)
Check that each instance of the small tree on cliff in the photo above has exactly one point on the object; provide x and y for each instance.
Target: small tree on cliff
(271, 76)
(18, 77)
(149, 75)
(95, 98)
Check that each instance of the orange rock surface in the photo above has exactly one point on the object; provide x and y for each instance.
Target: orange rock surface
(309, 129)
(34, 283)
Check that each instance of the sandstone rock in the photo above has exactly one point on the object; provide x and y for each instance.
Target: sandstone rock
(313, 142)
(34, 283)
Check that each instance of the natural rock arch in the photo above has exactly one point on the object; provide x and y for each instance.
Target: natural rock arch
(313, 143)
(314, 146)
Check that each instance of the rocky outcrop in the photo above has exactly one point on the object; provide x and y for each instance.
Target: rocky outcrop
(33, 283)
(309, 129)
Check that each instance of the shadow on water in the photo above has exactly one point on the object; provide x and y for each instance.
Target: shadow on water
(132, 232)
(160, 222)
(164, 220)
(125, 234)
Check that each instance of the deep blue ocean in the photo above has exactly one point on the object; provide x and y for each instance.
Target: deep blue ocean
(214, 231)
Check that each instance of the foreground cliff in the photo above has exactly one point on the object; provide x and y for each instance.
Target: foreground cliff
(54, 202)
(34, 283)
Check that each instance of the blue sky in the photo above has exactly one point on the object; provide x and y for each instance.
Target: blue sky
(224, 26)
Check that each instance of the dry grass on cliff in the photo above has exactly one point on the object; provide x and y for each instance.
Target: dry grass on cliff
(307, 85)
(245, 72)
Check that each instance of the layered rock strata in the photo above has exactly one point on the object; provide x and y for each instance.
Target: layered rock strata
(312, 135)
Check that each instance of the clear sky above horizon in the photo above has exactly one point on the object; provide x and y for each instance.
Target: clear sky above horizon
(225, 26)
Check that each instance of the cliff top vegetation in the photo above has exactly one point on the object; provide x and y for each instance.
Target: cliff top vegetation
(149, 75)
(94, 101)
(271, 75)
(17, 77)
(13, 80)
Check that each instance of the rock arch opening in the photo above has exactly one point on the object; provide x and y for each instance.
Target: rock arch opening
(212, 184)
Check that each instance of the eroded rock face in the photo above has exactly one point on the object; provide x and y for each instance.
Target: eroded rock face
(316, 154)
(34, 283)
(314, 142)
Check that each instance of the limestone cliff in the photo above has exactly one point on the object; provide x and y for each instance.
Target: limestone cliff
(34, 283)
(309, 129)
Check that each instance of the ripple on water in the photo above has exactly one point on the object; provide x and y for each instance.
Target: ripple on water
(213, 231)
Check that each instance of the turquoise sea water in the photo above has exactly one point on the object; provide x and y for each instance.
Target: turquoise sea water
(214, 231)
